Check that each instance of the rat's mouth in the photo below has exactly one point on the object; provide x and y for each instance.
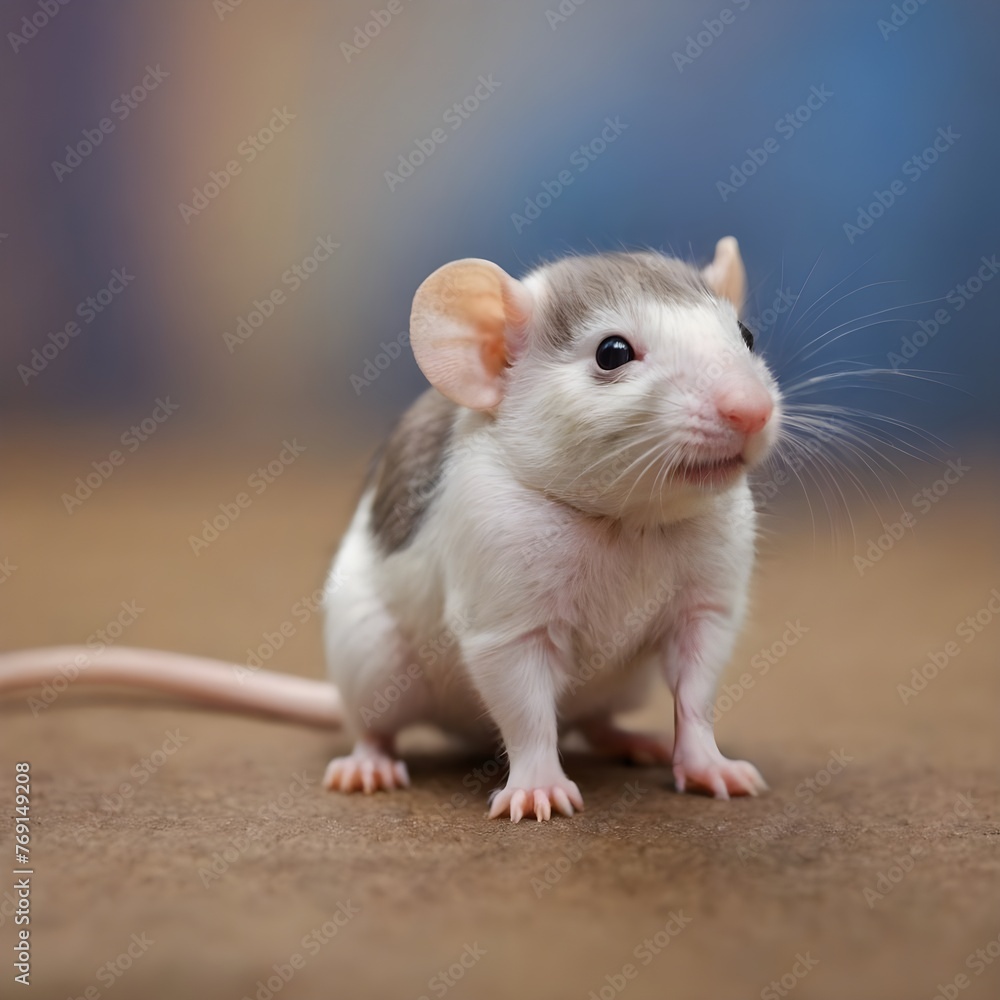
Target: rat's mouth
(714, 473)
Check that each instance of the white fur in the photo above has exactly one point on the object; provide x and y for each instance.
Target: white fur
(568, 576)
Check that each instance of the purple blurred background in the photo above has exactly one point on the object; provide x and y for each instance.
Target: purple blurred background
(349, 92)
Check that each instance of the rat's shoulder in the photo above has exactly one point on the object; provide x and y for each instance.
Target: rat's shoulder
(408, 470)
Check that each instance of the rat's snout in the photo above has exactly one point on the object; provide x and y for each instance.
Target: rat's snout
(744, 404)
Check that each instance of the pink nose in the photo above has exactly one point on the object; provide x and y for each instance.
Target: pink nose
(746, 408)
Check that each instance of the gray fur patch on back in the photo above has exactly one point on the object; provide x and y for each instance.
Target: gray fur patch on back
(407, 475)
(579, 285)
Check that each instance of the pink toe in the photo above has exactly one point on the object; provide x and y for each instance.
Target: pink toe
(386, 778)
(368, 783)
(561, 801)
(718, 785)
(517, 804)
(543, 808)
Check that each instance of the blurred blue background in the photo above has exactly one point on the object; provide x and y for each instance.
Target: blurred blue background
(700, 91)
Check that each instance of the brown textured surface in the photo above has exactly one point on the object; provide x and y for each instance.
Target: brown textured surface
(428, 872)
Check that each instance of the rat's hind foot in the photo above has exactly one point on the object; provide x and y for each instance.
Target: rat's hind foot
(639, 748)
(369, 767)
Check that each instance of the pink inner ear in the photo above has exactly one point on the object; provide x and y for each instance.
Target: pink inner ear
(493, 352)
(461, 318)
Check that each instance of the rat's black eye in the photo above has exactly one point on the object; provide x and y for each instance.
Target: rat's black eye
(613, 352)
(747, 336)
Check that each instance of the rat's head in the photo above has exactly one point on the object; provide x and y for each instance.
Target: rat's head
(623, 384)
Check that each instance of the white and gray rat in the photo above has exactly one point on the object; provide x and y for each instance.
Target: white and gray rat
(563, 515)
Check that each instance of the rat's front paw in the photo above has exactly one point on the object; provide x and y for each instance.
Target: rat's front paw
(539, 802)
(717, 775)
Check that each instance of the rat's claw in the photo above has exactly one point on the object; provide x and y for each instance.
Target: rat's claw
(386, 775)
(543, 808)
(718, 776)
(517, 803)
(561, 801)
(367, 769)
(718, 785)
(539, 802)
(573, 793)
(498, 804)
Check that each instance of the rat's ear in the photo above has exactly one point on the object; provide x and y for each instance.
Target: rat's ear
(726, 275)
(468, 320)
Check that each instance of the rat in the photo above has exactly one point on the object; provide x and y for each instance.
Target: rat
(562, 516)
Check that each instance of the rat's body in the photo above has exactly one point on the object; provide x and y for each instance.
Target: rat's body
(544, 535)
(545, 532)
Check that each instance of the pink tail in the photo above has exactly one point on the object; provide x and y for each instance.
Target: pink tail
(212, 682)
